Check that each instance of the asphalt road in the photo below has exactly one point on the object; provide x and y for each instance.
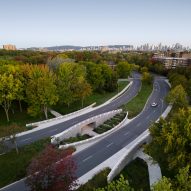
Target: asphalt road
(58, 128)
(99, 152)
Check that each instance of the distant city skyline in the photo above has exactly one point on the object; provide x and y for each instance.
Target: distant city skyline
(44, 23)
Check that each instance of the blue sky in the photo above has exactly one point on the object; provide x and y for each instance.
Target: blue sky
(28, 23)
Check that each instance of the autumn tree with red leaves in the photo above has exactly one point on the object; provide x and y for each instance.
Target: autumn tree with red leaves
(52, 170)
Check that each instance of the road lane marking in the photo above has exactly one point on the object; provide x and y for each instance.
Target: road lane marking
(126, 133)
(109, 145)
(25, 140)
(87, 158)
(138, 124)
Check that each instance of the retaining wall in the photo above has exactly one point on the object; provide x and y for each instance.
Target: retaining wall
(95, 138)
(70, 115)
(76, 129)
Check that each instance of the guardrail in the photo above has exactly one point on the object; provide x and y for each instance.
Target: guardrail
(61, 117)
(95, 138)
(74, 130)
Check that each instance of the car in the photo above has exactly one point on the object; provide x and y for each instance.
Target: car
(154, 104)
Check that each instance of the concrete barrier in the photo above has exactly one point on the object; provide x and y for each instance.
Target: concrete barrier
(76, 129)
(128, 156)
(95, 138)
(70, 115)
(114, 97)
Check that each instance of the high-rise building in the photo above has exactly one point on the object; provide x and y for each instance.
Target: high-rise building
(9, 47)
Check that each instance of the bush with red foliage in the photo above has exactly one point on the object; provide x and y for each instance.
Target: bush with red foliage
(52, 170)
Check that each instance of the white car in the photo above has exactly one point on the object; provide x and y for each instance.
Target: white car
(154, 104)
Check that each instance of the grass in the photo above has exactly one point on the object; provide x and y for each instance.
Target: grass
(76, 139)
(99, 180)
(109, 124)
(99, 98)
(13, 166)
(136, 173)
(18, 118)
(135, 106)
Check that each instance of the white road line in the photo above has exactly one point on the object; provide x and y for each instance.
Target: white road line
(87, 158)
(109, 145)
(25, 140)
(126, 133)
(138, 124)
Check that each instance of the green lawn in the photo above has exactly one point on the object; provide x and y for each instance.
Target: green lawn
(95, 97)
(13, 166)
(136, 172)
(98, 181)
(135, 106)
(18, 118)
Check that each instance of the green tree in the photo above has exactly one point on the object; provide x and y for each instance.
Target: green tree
(70, 77)
(170, 144)
(163, 185)
(84, 90)
(123, 69)
(41, 90)
(147, 77)
(118, 185)
(178, 97)
(9, 87)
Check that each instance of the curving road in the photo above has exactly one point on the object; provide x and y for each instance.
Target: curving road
(102, 150)
(58, 128)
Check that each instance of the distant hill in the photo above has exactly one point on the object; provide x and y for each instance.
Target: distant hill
(71, 47)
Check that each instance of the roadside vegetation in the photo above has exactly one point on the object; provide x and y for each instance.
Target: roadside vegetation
(99, 180)
(136, 172)
(13, 166)
(136, 105)
(75, 139)
(111, 123)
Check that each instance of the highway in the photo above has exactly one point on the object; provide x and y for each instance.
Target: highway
(102, 150)
(58, 128)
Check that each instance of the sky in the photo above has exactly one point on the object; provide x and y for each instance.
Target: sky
(42, 23)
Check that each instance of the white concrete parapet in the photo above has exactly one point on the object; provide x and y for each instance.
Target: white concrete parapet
(70, 115)
(76, 129)
(128, 156)
(95, 138)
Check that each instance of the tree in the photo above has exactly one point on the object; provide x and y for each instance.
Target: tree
(123, 69)
(147, 77)
(84, 90)
(72, 83)
(41, 90)
(178, 97)
(170, 144)
(9, 87)
(52, 170)
(144, 69)
(118, 185)
(182, 182)
(163, 185)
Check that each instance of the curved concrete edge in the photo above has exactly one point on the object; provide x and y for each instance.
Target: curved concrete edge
(167, 81)
(76, 128)
(116, 96)
(97, 137)
(132, 147)
(129, 154)
(71, 115)
(154, 169)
